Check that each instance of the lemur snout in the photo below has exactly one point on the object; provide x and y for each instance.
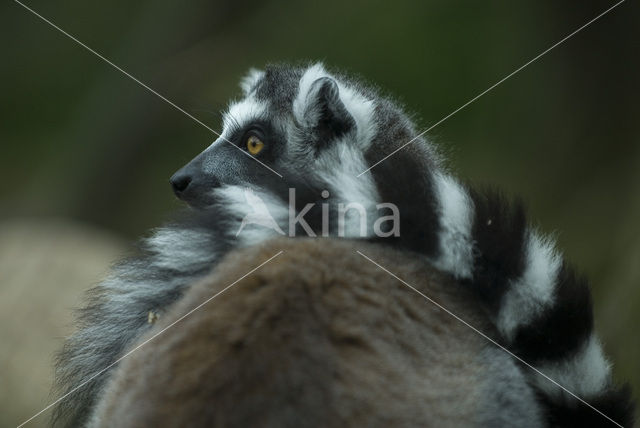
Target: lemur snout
(192, 186)
(179, 182)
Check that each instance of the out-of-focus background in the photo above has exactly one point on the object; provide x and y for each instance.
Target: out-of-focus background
(87, 153)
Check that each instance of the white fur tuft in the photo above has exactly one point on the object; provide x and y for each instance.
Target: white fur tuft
(178, 249)
(248, 82)
(271, 209)
(533, 291)
(360, 108)
(242, 112)
(456, 219)
(339, 167)
(586, 374)
(312, 74)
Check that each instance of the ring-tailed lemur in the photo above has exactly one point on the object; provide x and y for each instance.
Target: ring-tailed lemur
(316, 132)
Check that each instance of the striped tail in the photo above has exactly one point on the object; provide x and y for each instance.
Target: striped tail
(540, 307)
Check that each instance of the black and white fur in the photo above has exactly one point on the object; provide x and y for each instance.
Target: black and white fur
(322, 129)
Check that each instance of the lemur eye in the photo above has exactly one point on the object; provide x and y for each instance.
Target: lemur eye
(254, 145)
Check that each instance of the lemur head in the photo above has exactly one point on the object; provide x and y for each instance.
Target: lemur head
(306, 125)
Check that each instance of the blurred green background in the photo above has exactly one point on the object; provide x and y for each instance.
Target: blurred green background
(87, 153)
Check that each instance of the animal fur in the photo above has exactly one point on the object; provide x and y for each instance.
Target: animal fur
(320, 338)
(322, 130)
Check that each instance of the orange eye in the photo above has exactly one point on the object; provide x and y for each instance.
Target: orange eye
(254, 145)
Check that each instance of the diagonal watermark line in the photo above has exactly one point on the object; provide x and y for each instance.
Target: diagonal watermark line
(95, 375)
(541, 54)
(487, 337)
(162, 97)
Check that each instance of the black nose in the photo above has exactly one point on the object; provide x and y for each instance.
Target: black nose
(180, 181)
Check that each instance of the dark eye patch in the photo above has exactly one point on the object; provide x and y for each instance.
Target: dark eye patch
(265, 132)
(239, 134)
(253, 129)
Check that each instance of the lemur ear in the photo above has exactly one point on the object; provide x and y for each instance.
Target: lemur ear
(325, 112)
(249, 81)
